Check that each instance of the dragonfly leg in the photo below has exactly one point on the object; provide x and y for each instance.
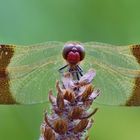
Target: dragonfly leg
(77, 75)
(61, 69)
(79, 70)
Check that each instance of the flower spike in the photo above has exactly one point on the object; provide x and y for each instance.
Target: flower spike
(70, 118)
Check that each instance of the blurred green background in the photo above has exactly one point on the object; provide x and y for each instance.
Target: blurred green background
(34, 21)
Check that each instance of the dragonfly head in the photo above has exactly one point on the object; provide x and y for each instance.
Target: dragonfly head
(73, 53)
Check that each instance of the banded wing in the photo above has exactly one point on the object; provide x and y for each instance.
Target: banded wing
(27, 73)
(118, 72)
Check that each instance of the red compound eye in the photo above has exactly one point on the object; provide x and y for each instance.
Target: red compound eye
(73, 57)
(73, 53)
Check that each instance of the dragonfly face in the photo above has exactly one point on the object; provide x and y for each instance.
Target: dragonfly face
(73, 53)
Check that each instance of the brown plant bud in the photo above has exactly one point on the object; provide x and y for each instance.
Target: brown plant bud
(60, 99)
(67, 81)
(69, 96)
(87, 78)
(87, 103)
(88, 115)
(49, 134)
(90, 124)
(81, 126)
(76, 113)
(52, 99)
(88, 91)
(58, 87)
(47, 120)
(61, 126)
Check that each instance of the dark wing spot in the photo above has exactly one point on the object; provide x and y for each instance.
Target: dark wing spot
(136, 52)
(6, 53)
(135, 98)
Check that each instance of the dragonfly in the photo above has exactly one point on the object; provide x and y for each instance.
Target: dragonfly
(27, 73)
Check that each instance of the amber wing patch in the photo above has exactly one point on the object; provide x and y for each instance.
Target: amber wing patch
(6, 53)
(135, 98)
